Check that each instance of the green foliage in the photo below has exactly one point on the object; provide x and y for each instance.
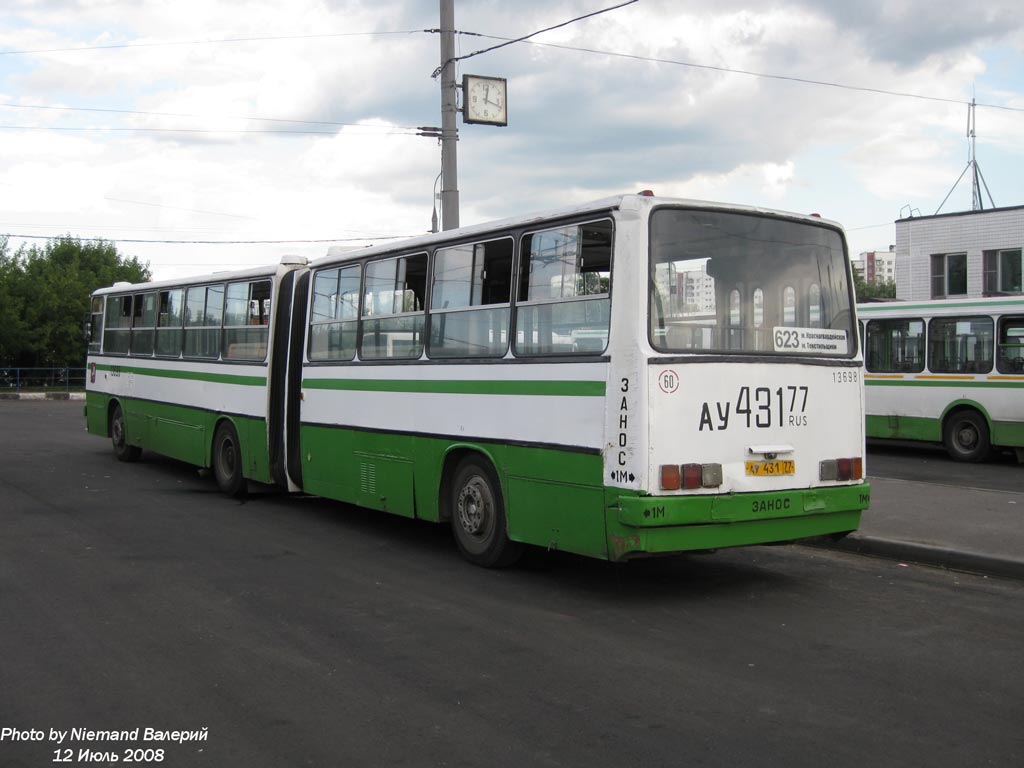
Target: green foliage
(866, 291)
(44, 295)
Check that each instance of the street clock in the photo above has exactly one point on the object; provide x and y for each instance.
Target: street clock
(483, 100)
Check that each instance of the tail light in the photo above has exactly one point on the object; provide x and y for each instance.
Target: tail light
(841, 469)
(690, 476)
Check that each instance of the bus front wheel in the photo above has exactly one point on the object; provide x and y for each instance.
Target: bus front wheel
(478, 516)
(227, 460)
(123, 450)
(966, 436)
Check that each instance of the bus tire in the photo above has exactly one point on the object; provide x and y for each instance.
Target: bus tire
(478, 516)
(123, 450)
(966, 437)
(227, 460)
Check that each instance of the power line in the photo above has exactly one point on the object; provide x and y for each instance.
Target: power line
(267, 38)
(264, 131)
(177, 208)
(197, 116)
(749, 73)
(208, 242)
(525, 38)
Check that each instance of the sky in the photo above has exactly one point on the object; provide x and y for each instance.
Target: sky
(158, 124)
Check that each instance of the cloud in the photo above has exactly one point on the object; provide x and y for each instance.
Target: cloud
(582, 124)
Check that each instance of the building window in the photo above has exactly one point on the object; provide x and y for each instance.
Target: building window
(1002, 272)
(949, 275)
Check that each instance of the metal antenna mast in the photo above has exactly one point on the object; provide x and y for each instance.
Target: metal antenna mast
(977, 178)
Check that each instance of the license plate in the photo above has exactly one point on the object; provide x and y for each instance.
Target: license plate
(770, 468)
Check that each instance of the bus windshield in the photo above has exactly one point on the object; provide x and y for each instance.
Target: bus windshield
(747, 284)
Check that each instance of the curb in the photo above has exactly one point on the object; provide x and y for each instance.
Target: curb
(926, 554)
(42, 395)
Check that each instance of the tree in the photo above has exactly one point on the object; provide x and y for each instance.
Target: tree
(44, 295)
(866, 291)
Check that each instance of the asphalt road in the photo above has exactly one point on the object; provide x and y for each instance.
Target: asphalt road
(925, 462)
(301, 632)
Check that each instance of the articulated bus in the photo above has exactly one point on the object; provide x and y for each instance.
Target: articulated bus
(949, 371)
(631, 377)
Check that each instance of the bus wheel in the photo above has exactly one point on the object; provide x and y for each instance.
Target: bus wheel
(478, 516)
(119, 437)
(227, 460)
(965, 435)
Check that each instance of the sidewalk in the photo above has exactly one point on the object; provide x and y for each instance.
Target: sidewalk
(973, 530)
(42, 395)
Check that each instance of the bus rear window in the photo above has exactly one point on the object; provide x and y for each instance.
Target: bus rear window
(747, 284)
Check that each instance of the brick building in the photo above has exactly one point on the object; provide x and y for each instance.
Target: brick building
(968, 254)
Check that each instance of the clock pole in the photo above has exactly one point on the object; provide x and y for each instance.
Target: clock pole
(449, 131)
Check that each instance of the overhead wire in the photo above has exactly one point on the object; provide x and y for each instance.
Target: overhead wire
(214, 242)
(216, 41)
(749, 73)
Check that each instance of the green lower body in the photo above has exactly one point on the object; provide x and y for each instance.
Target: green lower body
(556, 499)
(553, 498)
(180, 432)
(1009, 434)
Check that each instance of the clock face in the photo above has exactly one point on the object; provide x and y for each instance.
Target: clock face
(484, 100)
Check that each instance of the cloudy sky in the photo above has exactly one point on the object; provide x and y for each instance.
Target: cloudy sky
(257, 120)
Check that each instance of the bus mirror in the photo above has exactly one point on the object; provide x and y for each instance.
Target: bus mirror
(87, 327)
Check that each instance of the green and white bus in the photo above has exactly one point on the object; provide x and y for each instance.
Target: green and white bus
(631, 377)
(949, 371)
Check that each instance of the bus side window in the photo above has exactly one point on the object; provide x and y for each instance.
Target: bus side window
(470, 300)
(245, 328)
(894, 346)
(814, 306)
(96, 324)
(789, 306)
(144, 325)
(960, 345)
(1011, 345)
(563, 303)
(117, 326)
(168, 323)
(334, 317)
(393, 308)
(204, 307)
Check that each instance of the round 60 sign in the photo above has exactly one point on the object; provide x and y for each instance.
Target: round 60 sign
(668, 381)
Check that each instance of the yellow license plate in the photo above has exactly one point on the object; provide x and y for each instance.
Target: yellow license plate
(770, 468)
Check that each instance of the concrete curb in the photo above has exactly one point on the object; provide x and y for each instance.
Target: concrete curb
(42, 395)
(927, 554)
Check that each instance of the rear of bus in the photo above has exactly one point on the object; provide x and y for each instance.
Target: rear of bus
(751, 383)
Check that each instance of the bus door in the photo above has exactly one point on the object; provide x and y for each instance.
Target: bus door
(284, 376)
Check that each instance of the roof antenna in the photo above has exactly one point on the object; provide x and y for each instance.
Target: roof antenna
(977, 178)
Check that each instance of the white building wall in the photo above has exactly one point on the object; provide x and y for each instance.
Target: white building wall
(971, 232)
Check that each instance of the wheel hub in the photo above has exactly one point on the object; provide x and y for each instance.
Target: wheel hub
(472, 509)
(967, 436)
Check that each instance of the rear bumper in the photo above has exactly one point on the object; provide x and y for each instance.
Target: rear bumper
(647, 525)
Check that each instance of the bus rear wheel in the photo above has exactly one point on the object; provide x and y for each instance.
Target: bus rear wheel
(227, 460)
(478, 516)
(966, 436)
(123, 450)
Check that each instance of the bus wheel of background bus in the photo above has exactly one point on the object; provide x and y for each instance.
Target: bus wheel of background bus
(119, 437)
(478, 516)
(965, 435)
(227, 460)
